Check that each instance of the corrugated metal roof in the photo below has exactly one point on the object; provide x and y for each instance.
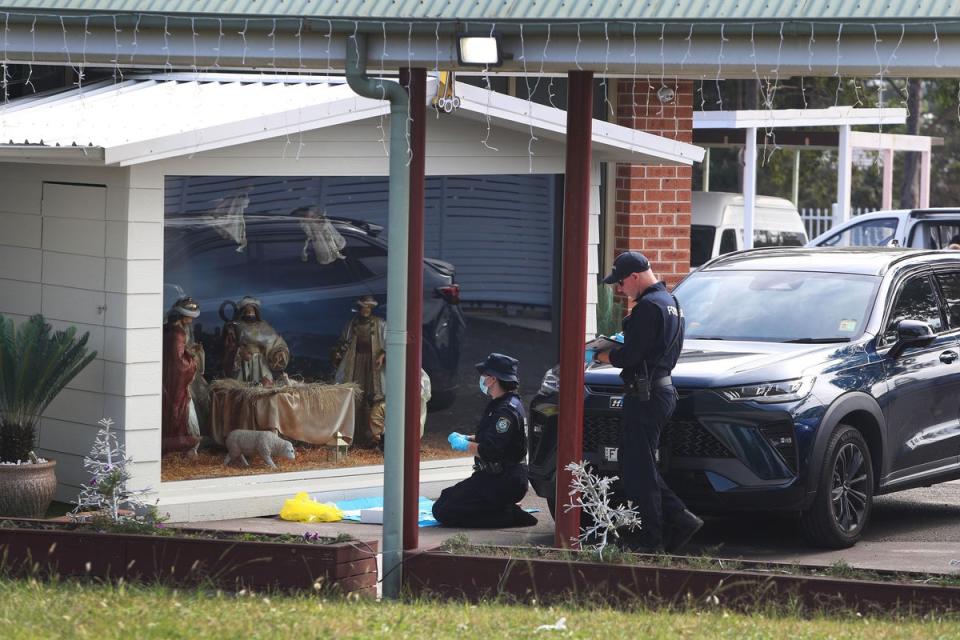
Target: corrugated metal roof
(157, 116)
(528, 10)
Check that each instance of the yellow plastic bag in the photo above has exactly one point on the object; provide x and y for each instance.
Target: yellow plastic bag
(303, 508)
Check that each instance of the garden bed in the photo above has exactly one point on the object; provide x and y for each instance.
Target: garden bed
(547, 575)
(190, 557)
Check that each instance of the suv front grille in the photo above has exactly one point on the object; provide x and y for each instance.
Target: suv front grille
(601, 431)
(685, 439)
(605, 389)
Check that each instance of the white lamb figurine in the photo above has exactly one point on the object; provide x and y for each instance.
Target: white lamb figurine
(246, 442)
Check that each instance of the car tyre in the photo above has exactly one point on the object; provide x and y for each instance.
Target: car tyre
(841, 507)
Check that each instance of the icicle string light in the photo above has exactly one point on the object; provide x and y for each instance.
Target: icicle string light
(486, 81)
(633, 92)
(6, 71)
(134, 45)
(410, 105)
(243, 34)
(526, 78)
(836, 71)
(329, 38)
(603, 76)
(723, 39)
(117, 71)
(381, 126)
(936, 41)
(167, 67)
(33, 50)
(576, 52)
(686, 54)
(216, 60)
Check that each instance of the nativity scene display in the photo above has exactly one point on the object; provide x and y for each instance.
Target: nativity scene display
(273, 348)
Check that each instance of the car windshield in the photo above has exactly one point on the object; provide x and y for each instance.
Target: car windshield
(777, 306)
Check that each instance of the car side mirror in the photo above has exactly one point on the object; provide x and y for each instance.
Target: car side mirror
(911, 333)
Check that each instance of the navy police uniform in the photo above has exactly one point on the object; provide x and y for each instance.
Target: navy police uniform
(652, 341)
(489, 497)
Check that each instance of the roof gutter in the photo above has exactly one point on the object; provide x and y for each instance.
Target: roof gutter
(398, 220)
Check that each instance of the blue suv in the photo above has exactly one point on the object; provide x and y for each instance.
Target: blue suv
(811, 380)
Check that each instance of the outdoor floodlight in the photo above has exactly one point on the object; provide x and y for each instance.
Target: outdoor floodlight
(480, 51)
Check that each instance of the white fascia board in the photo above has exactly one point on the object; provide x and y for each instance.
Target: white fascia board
(611, 142)
(890, 141)
(52, 155)
(773, 118)
(262, 127)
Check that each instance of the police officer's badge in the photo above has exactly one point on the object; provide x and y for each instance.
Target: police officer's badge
(503, 425)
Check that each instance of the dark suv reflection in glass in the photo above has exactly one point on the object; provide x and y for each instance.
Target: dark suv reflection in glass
(306, 302)
(810, 381)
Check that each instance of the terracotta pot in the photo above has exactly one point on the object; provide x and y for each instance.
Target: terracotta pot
(26, 490)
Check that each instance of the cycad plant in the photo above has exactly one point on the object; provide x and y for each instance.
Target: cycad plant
(36, 363)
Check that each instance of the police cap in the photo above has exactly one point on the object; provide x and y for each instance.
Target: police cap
(626, 263)
(500, 367)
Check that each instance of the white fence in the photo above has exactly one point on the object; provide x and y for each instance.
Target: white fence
(818, 220)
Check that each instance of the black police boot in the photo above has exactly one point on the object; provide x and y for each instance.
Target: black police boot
(680, 529)
(521, 518)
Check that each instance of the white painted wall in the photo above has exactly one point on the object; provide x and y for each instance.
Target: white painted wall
(73, 249)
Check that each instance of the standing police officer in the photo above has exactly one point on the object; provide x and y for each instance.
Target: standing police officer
(489, 497)
(652, 341)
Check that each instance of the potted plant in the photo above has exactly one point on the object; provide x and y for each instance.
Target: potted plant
(36, 363)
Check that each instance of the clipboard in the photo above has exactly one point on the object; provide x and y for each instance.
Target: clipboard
(603, 343)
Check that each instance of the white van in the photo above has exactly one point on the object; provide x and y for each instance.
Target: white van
(717, 224)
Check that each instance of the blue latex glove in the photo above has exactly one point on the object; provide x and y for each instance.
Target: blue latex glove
(617, 337)
(458, 441)
(588, 355)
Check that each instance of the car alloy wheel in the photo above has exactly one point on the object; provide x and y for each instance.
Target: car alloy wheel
(841, 507)
(849, 493)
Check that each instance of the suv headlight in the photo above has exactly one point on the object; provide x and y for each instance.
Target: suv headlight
(551, 382)
(781, 391)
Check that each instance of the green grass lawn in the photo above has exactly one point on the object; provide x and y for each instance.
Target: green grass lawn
(31, 609)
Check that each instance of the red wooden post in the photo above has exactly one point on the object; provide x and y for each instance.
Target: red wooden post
(415, 81)
(573, 319)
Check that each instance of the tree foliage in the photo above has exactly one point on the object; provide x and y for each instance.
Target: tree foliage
(934, 104)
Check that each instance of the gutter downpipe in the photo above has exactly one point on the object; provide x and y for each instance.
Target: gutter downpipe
(398, 213)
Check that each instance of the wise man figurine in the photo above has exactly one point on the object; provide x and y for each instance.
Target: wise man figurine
(359, 357)
(181, 359)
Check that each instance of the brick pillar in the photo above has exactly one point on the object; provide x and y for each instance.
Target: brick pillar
(653, 201)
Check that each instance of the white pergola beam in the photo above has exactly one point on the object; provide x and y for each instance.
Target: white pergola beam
(924, 179)
(844, 177)
(749, 186)
(890, 141)
(887, 202)
(797, 118)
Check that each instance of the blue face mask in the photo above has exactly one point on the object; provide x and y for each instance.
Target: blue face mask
(483, 386)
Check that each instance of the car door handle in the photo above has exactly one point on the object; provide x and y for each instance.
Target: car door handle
(948, 356)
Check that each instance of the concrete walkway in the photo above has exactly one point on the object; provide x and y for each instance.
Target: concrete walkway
(922, 544)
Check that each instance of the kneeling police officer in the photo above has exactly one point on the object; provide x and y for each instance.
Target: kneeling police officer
(489, 497)
(652, 341)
